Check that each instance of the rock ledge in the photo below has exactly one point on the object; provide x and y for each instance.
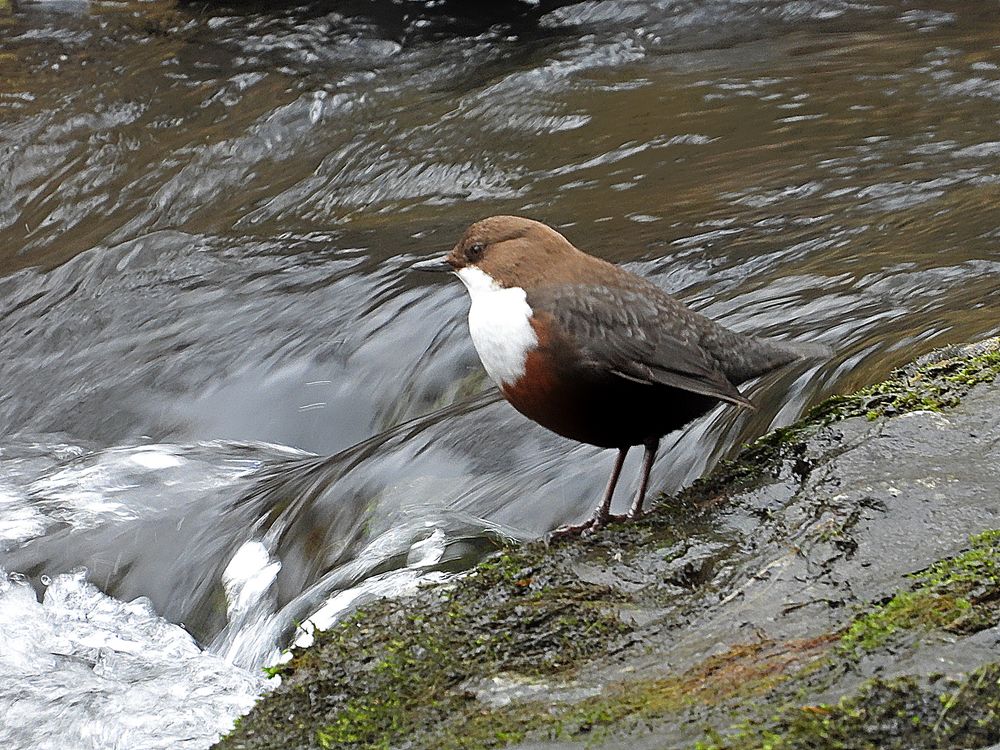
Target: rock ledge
(836, 585)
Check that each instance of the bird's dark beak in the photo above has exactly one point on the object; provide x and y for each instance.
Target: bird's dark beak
(434, 265)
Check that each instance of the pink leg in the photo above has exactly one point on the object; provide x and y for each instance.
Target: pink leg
(647, 465)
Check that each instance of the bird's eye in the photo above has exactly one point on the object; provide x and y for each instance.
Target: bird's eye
(475, 252)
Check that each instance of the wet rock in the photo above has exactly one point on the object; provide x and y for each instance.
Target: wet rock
(837, 585)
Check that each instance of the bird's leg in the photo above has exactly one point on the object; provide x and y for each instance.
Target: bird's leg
(647, 464)
(603, 511)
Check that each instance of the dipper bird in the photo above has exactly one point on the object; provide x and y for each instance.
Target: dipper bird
(594, 352)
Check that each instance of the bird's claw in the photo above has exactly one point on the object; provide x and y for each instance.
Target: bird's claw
(634, 514)
(586, 528)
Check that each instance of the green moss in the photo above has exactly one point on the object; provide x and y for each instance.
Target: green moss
(368, 723)
(507, 567)
(976, 570)
(905, 611)
(959, 593)
(396, 668)
(883, 715)
(932, 386)
(742, 671)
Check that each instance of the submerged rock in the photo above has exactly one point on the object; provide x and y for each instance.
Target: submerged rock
(836, 585)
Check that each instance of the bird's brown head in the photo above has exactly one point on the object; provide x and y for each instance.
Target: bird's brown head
(511, 250)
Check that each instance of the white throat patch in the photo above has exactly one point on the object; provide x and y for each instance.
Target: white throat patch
(499, 324)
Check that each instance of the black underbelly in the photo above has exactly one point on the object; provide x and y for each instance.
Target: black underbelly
(611, 412)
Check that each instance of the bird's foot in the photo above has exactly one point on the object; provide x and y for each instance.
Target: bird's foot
(586, 528)
(634, 514)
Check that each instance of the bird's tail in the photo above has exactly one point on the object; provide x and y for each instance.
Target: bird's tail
(763, 355)
(801, 349)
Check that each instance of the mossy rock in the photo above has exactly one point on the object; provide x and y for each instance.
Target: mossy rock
(534, 646)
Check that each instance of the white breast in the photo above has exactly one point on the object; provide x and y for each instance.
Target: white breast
(499, 324)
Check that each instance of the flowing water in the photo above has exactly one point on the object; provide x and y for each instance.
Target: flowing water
(226, 406)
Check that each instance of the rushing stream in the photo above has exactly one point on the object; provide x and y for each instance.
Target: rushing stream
(226, 407)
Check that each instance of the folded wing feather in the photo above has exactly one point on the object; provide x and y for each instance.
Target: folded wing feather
(637, 336)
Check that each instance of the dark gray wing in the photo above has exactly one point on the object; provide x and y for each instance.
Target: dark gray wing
(640, 335)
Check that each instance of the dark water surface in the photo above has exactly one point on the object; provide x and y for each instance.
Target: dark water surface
(206, 218)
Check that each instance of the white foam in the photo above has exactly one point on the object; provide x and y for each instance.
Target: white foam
(90, 671)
